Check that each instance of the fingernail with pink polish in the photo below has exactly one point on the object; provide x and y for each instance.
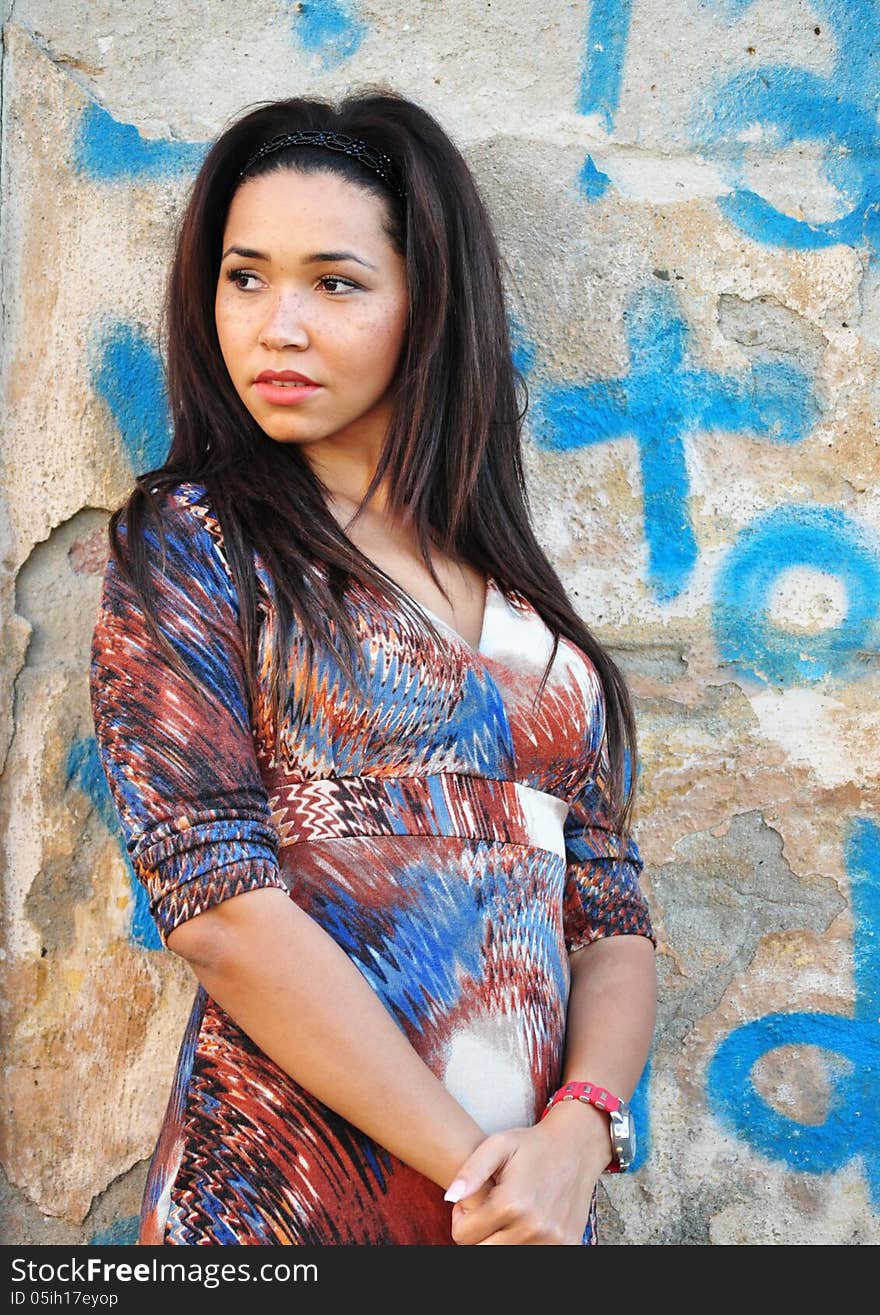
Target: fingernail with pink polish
(456, 1190)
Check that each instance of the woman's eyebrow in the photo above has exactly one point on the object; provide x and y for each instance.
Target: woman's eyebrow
(247, 252)
(317, 257)
(321, 257)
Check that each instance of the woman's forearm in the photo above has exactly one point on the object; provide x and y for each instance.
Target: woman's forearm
(611, 1015)
(297, 994)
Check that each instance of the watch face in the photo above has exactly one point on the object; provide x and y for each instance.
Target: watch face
(623, 1135)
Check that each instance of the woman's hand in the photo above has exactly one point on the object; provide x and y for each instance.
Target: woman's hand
(532, 1186)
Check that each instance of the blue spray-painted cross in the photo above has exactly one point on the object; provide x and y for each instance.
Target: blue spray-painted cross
(852, 1126)
(664, 398)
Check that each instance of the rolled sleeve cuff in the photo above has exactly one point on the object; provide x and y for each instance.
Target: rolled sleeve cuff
(603, 898)
(193, 869)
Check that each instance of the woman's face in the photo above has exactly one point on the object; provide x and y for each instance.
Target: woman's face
(315, 287)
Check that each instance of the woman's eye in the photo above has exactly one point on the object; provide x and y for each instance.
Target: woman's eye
(235, 275)
(335, 278)
(338, 286)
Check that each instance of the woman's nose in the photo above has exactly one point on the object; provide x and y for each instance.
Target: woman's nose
(285, 325)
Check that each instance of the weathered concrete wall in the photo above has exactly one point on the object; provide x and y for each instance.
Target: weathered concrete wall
(688, 197)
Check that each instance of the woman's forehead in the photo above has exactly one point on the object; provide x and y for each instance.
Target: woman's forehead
(291, 204)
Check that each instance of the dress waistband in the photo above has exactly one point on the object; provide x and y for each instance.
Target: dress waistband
(443, 804)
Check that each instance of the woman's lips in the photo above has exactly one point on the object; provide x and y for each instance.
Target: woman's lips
(284, 394)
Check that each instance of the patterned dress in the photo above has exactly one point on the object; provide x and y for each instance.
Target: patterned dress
(455, 843)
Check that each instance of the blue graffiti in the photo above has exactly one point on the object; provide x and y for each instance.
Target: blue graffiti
(592, 182)
(522, 349)
(852, 1125)
(793, 105)
(328, 29)
(602, 71)
(789, 105)
(734, 7)
(83, 769)
(109, 151)
(122, 1233)
(664, 398)
(127, 374)
(822, 538)
(641, 1112)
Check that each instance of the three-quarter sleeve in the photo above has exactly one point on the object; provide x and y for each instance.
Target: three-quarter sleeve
(180, 761)
(602, 894)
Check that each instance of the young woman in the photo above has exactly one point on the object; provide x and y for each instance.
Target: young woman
(368, 760)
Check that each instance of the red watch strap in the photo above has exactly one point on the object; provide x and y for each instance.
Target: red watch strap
(593, 1095)
(587, 1091)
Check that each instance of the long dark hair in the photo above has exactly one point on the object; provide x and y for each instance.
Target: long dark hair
(454, 441)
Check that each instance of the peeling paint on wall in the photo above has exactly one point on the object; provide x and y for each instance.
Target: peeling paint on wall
(110, 151)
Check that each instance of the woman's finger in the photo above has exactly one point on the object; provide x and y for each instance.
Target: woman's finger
(479, 1167)
(473, 1199)
(471, 1226)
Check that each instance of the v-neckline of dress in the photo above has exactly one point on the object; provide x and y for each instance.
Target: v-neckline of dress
(487, 604)
(475, 653)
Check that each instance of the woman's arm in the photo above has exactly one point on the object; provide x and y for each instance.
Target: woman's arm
(296, 993)
(611, 942)
(612, 1009)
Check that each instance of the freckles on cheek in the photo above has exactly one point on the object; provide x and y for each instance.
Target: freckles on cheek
(232, 318)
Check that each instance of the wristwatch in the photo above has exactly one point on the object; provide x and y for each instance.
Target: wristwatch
(623, 1130)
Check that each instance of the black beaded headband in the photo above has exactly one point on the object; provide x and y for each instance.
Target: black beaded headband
(368, 155)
